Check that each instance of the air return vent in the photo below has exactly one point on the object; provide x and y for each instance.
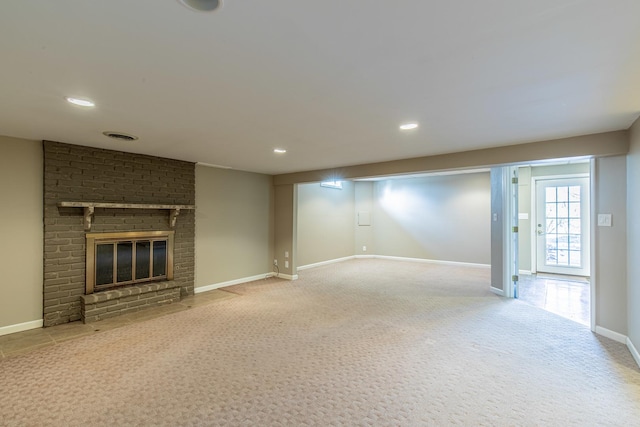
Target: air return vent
(120, 136)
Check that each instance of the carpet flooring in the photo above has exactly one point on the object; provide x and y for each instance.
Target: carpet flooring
(359, 343)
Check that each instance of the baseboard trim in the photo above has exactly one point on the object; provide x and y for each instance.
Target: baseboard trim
(395, 258)
(432, 261)
(611, 334)
(19, 327)
(211, 287)
(525, 272)
(634, 351)
(319, 264)
(287, 276)
(497, 291)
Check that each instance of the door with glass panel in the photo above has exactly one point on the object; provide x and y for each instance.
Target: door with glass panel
(562, 226)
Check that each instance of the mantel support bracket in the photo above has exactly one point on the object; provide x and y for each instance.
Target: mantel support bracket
(88, 217)
(173, 217)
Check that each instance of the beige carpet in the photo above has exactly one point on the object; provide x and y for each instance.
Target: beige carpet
(364, 342)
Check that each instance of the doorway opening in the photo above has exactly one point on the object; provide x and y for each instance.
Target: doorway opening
(554, 238)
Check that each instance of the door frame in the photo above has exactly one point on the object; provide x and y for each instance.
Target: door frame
(534, 215)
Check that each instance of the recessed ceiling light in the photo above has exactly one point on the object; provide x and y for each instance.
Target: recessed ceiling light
(202, 5)
(279, 150)
(408, 126)
(79, 101)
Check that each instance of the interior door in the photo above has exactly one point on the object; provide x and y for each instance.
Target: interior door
(562, 226)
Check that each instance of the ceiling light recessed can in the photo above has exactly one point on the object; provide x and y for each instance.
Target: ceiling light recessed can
(80, 101)
(279, 150)
(408, 126)
(202, 5)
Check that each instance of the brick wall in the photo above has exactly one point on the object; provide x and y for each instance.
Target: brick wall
(84, 174)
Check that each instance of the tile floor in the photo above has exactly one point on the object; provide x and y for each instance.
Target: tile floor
(566, 296)
(24, 342)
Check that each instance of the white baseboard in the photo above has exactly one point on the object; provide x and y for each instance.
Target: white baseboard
(525, 272)
(232, 282)
(611, 334)
(331, 261)
(634, 351)
(19, 327)
(287, 276)
(395, 258)
(497, 291)
(432, 261)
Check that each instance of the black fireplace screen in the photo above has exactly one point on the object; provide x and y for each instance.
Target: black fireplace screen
(130, 262)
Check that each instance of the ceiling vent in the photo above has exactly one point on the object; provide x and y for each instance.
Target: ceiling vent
(120, 136)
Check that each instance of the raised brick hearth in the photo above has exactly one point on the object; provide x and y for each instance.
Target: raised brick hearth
(84, 174)
(116, 302)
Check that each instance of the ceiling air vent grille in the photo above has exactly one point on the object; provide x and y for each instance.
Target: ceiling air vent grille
(120, 136)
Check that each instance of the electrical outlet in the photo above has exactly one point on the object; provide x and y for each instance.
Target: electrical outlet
(286, 264)
(275, 262)
(364, 249)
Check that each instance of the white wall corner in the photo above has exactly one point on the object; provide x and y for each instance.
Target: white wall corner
(19, 327)
(611, 334)
(634, 351)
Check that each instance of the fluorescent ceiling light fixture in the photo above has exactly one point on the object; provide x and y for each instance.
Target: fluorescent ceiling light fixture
(408, 126)
(332, 184)
(79, 101)
(279, 150)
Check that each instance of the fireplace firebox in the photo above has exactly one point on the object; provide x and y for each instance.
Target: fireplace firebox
(121, 259)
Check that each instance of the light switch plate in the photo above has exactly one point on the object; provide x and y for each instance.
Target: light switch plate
(604, 220)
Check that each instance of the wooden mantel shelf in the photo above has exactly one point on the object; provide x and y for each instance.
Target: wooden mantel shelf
(89, 208)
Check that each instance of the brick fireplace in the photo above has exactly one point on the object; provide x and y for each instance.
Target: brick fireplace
(123, 193)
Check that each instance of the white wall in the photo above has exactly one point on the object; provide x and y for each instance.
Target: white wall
(21, 227)
(326, 228)
(364, 236)
(442, 217)
(234, 225)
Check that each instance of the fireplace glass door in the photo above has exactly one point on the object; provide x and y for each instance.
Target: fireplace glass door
(127, 258)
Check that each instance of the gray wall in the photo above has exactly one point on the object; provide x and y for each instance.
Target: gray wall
(325, 222)
(611, 245)
(21, 225)
(633, 236)
(234, 225)
(442, 217)
(525, 188)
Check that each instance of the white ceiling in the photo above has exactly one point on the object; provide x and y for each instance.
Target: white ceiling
(328, 81)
